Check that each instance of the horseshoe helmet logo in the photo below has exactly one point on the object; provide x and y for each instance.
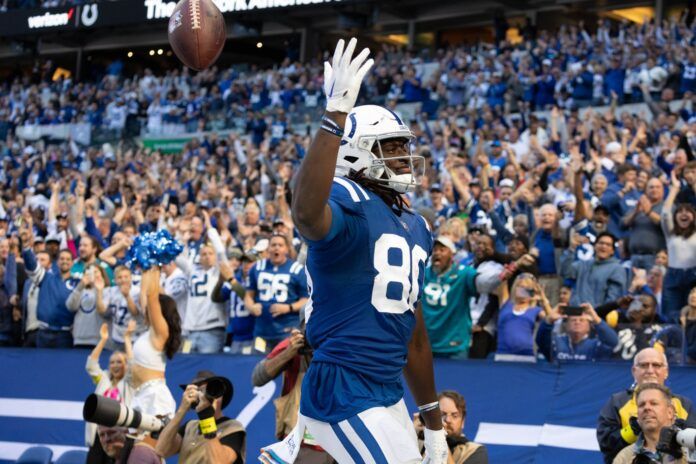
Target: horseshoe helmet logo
(89, 15)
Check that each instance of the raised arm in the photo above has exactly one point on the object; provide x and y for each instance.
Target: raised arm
(666, 216)
(103, 338)
(92, 367)
(108, 255)
(342, 78)
(99, 293)
(576, 166)
(149, 298)
(214, 237)
(53, 204)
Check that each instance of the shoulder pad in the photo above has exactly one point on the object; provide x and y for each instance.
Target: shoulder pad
(348, 194)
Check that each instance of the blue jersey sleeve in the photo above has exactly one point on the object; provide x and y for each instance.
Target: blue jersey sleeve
(225, 291)
(346, 209)
(299, 281)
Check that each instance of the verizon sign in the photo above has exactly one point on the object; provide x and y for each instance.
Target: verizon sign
(50, 19)
(162, 9)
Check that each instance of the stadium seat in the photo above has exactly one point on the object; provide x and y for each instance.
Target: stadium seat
(36, 455)
(72, 457)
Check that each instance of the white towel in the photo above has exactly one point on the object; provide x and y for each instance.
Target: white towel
(286, 451)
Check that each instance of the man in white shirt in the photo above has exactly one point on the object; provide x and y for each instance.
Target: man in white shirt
(205, 321)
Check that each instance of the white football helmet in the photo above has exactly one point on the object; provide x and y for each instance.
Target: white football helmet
(366, 127)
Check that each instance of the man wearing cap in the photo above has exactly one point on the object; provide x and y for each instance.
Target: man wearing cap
(447, 290)
(39, 245)
(52, 246)
(199, 441)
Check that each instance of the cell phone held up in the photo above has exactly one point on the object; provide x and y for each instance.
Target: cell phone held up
(572, 310)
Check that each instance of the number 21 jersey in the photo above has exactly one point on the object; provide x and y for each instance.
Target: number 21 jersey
(365, 280)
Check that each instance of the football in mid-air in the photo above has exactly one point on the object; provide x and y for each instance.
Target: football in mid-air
(197, 33)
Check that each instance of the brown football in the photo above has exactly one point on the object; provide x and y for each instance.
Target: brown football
(197, 33)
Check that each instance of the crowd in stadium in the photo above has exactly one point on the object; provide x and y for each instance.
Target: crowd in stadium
(577, 205)
(595, 205)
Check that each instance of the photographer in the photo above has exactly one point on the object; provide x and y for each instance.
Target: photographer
(461, 449)
(291, 359)
(195, 441)
(615, 429)
(121, 449)
(576, 343)
(655, 411)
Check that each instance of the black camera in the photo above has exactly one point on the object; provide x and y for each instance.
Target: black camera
(572, 310)
(214, 389)
(673, 439)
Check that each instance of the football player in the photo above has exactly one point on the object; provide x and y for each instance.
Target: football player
(365, 266)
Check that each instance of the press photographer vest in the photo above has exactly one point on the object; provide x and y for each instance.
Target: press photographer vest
(193, 443)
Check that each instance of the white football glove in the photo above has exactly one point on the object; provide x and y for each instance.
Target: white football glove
(436, 449)
(342, 78)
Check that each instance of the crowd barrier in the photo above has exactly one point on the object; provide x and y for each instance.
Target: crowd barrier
(524, 413)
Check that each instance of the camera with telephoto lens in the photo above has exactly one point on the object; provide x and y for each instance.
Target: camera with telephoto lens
(214, 389)
(674, 439)
(111, 413)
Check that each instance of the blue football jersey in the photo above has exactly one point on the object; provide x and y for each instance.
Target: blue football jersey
(285, 284)
(365, 279)
(585, 252)
(241, 324)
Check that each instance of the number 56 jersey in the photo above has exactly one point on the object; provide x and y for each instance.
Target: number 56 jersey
(365, 279)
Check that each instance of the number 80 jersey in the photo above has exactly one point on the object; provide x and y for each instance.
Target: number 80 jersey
(365, 280)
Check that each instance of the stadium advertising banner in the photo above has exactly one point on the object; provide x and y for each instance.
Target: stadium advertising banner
(524, 413)
(121, 13)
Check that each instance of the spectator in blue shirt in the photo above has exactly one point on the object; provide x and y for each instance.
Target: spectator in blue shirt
(577, 343)
(614, 79)
(621, 197)
(545, 87)
(518, 317)
(496, 91)
(582, 87)
(411, 88)
(55, 320)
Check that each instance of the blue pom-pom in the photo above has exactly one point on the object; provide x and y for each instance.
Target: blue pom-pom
(152, 249)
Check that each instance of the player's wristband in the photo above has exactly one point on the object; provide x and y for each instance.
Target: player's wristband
(429, 406)
(290, 306)
(325, 120)
(332, 130)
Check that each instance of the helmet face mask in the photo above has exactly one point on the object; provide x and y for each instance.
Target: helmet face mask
(401, 183)
(368, 127)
